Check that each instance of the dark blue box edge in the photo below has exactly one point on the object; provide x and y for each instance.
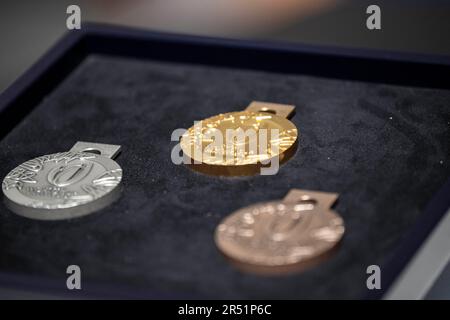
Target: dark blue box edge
(341, 63)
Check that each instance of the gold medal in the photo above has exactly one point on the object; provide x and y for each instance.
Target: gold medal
(281, 236)
(240, 143)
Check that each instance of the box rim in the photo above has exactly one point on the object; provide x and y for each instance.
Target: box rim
(76, 45)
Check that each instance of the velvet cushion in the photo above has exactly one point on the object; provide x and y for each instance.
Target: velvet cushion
(383, 148)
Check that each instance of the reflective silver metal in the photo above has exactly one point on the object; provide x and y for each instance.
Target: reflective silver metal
(65, 185)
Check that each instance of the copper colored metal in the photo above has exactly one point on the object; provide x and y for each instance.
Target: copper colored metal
(277, 237)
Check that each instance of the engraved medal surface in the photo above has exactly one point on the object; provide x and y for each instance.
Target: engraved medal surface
(66, 184)
(268, 131)
(281, 236)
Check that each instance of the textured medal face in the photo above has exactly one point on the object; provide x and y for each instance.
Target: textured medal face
(276, 235)
(272, 145)
(47, 186)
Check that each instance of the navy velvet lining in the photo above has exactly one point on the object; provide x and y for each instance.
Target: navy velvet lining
(383, 148)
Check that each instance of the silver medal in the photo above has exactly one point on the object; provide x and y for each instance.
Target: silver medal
(66, 184)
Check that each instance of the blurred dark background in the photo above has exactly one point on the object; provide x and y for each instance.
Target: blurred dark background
(28, 28)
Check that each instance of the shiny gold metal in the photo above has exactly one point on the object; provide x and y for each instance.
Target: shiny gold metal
(280, 237)
(234, 158)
